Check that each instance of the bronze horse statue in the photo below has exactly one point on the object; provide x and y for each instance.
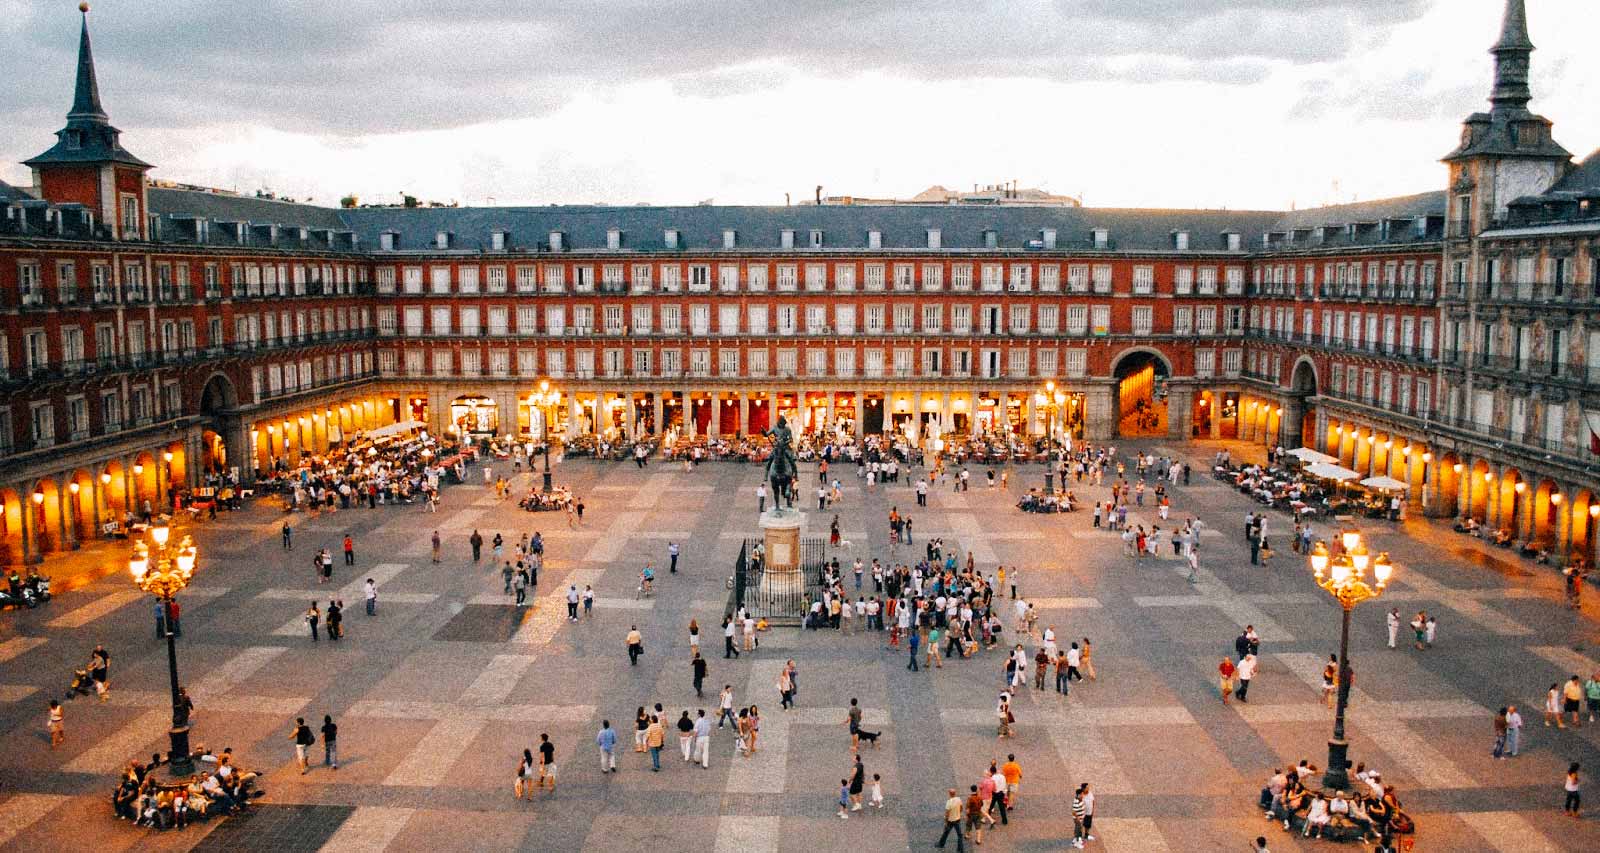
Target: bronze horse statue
(781, 470)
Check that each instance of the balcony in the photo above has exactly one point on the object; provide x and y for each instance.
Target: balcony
(1535, 293)
(1539, 370)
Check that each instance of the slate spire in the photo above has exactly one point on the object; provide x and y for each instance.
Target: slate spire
(86, 98)
(1511, 60)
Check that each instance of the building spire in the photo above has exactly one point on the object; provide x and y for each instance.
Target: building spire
(86, 98)
(1511, 60)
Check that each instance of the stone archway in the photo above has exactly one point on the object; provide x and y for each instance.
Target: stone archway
(1141, 375)
(1297, 424)
(225, 444)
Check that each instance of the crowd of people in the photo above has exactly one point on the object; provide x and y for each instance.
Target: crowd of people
(221, 789)
(389, 470)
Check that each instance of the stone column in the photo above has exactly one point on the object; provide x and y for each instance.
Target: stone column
(1100, 413)
(30, 543)
(96, 495)
(633, 416)
(716, 414)
(658, 411)
(1180, 411)
(69, 541)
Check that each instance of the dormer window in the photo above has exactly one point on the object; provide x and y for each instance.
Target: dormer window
(1102, 238)
(874, 239)
(497, 241)
(1180, 241)
(305, 234)
(816, 238)
(1232, 240)
(613, 239)
(730, 238)
(991, 238)
(786, 238)
(934, 238)
(1047, 236)
(73, 138)
(557, 241)
(670, 238)
(1350, 232)
(387, 241)
(441, 240)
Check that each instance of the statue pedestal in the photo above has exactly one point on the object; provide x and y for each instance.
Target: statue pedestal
(781, 538)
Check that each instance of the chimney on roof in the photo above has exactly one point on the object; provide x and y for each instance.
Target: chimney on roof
(819, 195)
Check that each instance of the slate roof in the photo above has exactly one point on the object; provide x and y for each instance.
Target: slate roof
(221, 207)
(1584, 180)
(844, 227)
(9, 193)
(1400, 207)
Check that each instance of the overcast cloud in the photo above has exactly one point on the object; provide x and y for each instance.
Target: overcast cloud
(227, 89)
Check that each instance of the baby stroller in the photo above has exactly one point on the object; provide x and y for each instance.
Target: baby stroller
(82, 684)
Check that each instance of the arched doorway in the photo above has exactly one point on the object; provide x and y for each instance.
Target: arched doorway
(1545, 508)
(222, 443)
(1298, 427)
(1510, 498)
(1141, 377)
(1449, 473)
(81, 506)
(11, 510)
(1479, 481)
(1583, 516)
(45, 507)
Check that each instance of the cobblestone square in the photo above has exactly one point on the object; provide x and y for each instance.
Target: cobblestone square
(438, 693)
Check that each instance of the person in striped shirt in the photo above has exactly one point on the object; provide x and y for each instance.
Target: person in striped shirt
(1082, 816)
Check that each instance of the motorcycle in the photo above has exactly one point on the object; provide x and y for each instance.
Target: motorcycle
(31, 592)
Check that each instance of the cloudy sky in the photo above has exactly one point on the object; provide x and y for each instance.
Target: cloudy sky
(1175, 103)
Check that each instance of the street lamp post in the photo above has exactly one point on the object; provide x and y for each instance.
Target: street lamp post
(1344, 577)
(165, 576)
(546, 400)
(1051, 399)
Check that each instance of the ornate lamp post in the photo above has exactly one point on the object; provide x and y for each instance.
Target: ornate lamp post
(1344, 577)
(164, 576)
(1051, 399)
(546, 399)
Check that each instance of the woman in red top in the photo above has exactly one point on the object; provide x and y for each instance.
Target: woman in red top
(1225, 684)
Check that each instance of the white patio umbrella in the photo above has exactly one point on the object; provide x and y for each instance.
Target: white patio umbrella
(1326, 471)
(1309, 456)
(1385, 484)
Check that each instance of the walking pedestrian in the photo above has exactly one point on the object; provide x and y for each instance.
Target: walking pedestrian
(313, 616)
(436, 544)
(1080, 816)
(672, 557)
(572, 604)
(476, 540)
(635, 645)
(335, 620)
(330, 741)
(303, 739)
(1499, 735)
(702, 739)
(288, 537)
(1246, 671)
(698, 665)
(525, 773)
(785, 689)
(1393, 620)
(547, 762)
(952, 821)
(728, 648)
(1086, 660)
(1513, 730)
(1225, 672)
(913, 640)
(1574, 788)
(371, 593)
(588, 601)
(100, 671)
(725, 706)
(349, 550)
(56, 724)
(606, 739)
(655, 737)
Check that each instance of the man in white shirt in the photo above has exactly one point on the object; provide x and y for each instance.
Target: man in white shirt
(1246, 672)
(702, 739)
(1394, 624)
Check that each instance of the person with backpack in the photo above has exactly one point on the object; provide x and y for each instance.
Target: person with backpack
(303, 739)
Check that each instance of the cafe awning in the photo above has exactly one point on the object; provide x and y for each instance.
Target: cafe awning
(395, 429)
(1326, 471)
(1385, 484)
(1309, 456)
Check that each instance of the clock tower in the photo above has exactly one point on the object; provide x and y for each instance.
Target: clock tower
(88, 164)
(1505, 153)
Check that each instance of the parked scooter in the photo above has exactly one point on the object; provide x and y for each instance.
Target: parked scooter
(30, 593)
